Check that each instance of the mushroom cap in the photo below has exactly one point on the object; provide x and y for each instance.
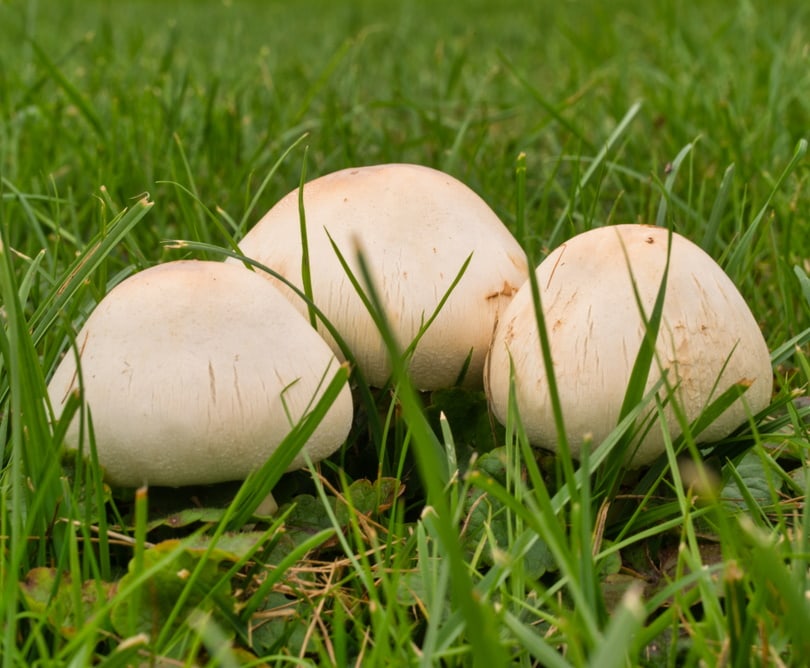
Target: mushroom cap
(708, 339)
(416, 226)
(194, 372)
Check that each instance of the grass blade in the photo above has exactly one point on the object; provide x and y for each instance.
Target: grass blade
(608, 479)
(595, 165)
(479, 617)
(742, 249)
(710, 241)
(306, 275)
(357, 375)
(661, 216)
(547, 655)
(78, 272)
(259, 484)
(617, 643)
(74, 94)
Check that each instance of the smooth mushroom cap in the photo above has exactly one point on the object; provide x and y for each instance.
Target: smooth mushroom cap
(416, 226)
(193, 373)
(708, 339)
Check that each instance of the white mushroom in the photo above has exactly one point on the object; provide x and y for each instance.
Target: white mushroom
(416, 226)
(708, 339)
(193, 373)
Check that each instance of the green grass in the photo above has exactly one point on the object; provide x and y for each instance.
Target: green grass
(124, 125)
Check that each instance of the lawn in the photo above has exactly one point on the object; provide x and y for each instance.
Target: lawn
(135, 133)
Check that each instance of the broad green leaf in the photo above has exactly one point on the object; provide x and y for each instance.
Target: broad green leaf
(186, 517)
(280, 626)
(162, 590)
(370, 498)
(748, 483)
(487, 520)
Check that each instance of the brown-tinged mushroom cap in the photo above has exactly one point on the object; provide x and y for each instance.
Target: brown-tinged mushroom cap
(708, 338)
(193, 373)
(416, 227)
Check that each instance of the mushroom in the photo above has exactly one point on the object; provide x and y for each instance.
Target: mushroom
(193, 372)
(416, 227)
(708, 340)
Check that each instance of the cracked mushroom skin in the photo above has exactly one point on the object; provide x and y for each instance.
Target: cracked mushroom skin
(415, 226)
(193, 372)
(708, 339)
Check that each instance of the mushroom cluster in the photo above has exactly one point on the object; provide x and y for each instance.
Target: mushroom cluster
(193, 372)
(597, 289)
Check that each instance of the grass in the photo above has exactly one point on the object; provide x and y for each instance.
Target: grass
(126, 125)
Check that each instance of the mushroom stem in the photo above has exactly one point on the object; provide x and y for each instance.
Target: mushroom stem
(267, 507)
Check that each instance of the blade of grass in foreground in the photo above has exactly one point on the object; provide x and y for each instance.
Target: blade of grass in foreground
(31, 438)
(50, 309)
(259, 484)
(30, 471)
(610, 477)
(368, 304)
(306, 274)
(78, 272)
(480, 618)
(563, 447)
(37, 504)
(620, 632)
